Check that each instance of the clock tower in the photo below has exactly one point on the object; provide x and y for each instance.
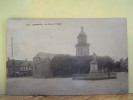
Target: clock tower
(82, 47)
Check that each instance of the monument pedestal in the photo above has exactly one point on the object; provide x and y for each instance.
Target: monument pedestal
(93, 67)
(100, 76)
(96, 75)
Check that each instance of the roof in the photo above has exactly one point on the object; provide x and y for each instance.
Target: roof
(82, 33)
(45, 55)
(19, 62)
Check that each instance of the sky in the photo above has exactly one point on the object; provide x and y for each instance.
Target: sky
(107, 36)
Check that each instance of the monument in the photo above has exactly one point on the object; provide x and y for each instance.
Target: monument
(93, 64)
(82, 50)
(94, 74)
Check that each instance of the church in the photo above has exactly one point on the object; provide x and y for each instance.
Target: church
(79, 63)
(81, 66)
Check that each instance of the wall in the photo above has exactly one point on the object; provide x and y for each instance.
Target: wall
(42, 69)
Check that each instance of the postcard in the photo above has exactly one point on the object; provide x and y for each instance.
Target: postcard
(67, 56)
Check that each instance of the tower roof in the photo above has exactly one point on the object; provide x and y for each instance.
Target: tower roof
(82, 33)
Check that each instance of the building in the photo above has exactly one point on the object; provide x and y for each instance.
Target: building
(42, 68)
(42, 61)
(82, 47)
(19, 68)
(41, 65)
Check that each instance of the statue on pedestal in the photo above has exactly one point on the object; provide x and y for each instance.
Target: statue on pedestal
(93, 64)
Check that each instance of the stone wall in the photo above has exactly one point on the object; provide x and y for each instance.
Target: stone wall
(42, 68)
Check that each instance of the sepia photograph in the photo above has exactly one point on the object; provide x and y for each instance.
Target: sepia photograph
(67, 56)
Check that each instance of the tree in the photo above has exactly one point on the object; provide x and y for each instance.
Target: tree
(117, 66)
(61, 65)
(81, 65)
(66, 65)
(105, 63)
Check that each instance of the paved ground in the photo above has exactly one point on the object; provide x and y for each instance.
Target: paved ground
(67, 86)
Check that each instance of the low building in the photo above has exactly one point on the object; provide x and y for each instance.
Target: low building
(19, 68)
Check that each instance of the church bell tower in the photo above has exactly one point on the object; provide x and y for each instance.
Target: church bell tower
(82, 47)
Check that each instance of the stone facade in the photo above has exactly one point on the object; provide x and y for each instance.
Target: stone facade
(41, 67)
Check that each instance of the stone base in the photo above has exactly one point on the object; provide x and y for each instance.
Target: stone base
(99, 76)
(94, 76)
(80, 76)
